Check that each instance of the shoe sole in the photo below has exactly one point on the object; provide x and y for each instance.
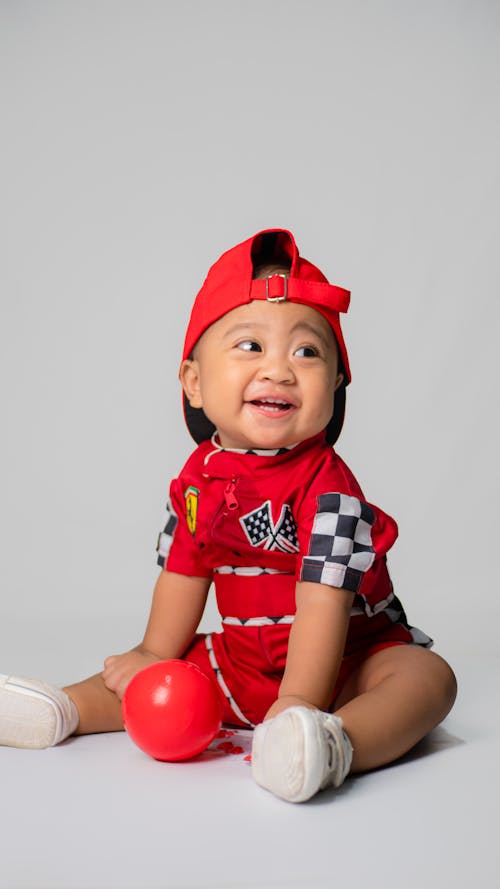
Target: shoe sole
(285, 741)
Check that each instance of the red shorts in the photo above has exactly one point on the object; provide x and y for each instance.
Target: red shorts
(247, 665)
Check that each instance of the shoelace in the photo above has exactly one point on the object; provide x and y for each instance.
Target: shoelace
(339, 752)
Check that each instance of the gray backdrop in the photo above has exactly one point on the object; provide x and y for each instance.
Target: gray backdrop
(140, 140)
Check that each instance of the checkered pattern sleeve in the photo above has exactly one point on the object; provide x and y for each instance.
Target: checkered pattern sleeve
(176, 547)
(346, 537)
(166, 537)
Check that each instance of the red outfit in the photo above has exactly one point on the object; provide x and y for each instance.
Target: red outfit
(258, 522)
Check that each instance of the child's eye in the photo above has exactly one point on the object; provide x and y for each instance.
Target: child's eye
(307, 352)
(248, 346)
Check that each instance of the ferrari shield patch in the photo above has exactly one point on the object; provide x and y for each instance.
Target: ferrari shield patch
(191, 496)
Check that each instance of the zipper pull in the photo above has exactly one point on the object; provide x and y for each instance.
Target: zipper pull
(231, 501)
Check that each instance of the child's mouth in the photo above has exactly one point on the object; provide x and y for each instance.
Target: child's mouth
(272, 405)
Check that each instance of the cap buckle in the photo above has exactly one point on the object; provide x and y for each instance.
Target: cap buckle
(284, 296)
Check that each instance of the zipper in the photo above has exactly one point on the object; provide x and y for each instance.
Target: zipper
(229, 496)
(227, 504)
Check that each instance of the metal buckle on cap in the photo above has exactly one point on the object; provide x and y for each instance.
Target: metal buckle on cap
(277, 299)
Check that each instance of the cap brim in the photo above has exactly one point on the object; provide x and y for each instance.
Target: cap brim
(200, 427)
(334, 427)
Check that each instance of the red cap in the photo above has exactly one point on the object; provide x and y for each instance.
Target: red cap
(230, 283)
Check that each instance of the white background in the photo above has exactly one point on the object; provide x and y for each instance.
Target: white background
(140, 140)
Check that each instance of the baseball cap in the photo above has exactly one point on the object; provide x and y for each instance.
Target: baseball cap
(230, 283)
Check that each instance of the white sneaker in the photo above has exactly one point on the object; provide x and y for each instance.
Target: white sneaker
(34, 714)
(300, 752)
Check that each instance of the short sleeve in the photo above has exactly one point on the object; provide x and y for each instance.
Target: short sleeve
(177, 548)
(343, 541)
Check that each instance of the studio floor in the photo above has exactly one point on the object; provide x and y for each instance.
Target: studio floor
(97, 813)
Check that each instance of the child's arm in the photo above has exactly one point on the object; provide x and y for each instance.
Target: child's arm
(315, 648)
(176, 610)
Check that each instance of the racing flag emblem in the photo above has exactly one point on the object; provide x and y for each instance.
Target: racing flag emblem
(260, 529)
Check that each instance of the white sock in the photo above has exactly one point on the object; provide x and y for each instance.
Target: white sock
(34, 714)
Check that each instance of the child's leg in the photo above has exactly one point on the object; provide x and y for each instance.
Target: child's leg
(34, 714)
(99, 709)
(392, 701)
(394, 698)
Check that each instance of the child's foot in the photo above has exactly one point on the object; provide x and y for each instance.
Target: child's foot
(34, 714)
(299, 752)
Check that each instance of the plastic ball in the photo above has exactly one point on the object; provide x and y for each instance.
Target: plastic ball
(171, 710)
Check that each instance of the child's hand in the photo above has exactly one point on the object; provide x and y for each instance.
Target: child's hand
(119, 669)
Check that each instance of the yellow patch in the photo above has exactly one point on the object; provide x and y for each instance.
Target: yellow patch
(191, 497)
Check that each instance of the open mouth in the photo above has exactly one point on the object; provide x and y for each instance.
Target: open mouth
(272, 405)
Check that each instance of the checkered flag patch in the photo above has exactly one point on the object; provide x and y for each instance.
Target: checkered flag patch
(341, 548)
(166, 536)
(260, 529)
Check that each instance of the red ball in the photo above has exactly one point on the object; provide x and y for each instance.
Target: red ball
(171, 710)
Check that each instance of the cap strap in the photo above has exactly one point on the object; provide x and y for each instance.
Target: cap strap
(277, 288)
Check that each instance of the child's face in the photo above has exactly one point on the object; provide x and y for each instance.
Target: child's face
(265, 375)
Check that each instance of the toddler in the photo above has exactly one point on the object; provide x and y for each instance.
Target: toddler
(315, 651)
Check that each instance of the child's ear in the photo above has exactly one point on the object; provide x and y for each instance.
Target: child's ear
(338, 381)
(189, 375)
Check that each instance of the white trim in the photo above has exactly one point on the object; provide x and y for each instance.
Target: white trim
(220, 679)
(258, 621)
(259, 452)
(382, 606)
(248, 570)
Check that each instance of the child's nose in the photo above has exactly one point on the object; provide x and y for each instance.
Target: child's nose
(276, 369)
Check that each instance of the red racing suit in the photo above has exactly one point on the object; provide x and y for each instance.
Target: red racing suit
(256, 522)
